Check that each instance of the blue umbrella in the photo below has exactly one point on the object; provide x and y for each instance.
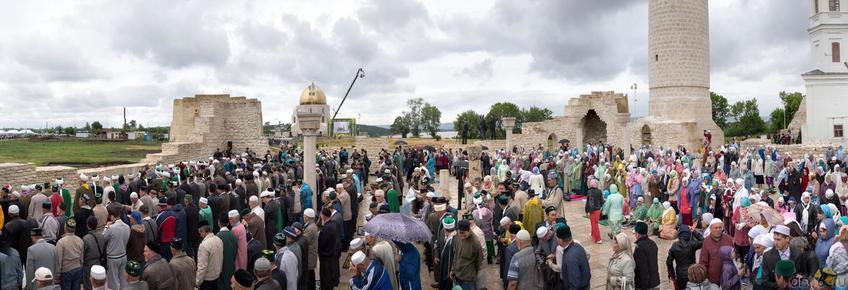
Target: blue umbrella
(398, 227)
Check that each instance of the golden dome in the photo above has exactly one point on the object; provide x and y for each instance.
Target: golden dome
(313, 95)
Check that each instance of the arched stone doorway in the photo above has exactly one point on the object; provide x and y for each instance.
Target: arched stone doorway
(552, 142)
(594, 129)
(646, 135)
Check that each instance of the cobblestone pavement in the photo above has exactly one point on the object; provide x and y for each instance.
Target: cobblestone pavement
(600, 253)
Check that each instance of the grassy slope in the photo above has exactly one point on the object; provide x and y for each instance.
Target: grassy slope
(43, 152)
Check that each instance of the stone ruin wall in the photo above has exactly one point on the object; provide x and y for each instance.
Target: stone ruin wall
(200, 124)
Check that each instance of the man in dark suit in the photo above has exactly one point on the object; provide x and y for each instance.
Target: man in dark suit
(328, 251)
(780, 251)
(645, 254)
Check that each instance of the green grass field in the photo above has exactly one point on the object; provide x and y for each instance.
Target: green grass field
(75, 152)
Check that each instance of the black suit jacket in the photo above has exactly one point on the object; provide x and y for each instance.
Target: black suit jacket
(647, 270)
(770, 259)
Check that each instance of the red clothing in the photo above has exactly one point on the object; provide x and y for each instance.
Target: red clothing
(56, 200)
(167, 229)
(711, 258)
(594, 216)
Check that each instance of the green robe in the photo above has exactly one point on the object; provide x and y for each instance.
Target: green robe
(446, 261)
(575, 176)
(641, 212)
(229, 265)
(655, 214)
(206, 215)
(69, 202)
(392, 199)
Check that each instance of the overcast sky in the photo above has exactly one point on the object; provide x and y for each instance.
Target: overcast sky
(69, 62)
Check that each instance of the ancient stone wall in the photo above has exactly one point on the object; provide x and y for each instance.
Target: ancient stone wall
(204, 123)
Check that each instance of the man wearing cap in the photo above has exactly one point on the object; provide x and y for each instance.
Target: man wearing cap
(229, 249)
(210, 256)
(647, 274)
(522, 274)
(35, 209)
(710, 256)
(771, 258)
(262, 270)
(575, 271)
(16, 231)
(286, 259)
(48, 223)
(94, 250)
(117, 235)
(40, 254)
(237, 228)
(157, 273)
(69, 250)
(44, 280)
(98, 278)
(133, 276)
(310, 233)
(347, 213)
(445, 254)
(368, 273)
(166, 224)
(241, 280)
(182, 266)
(83, 189)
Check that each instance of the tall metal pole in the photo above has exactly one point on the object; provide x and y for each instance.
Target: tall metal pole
(359, 74)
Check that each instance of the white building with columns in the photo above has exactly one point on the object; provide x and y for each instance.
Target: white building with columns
(826, 119)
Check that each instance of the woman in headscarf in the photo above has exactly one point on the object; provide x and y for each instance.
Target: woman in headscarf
(742, 223)
(826, 238)
(621, 266)
(614, 209)
(655, 215)
(668, 230)
(575, 177)
(537, 182)
(837, 258)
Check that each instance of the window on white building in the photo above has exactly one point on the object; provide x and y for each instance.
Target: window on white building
(834, 52)
(837, 131)
(834, 5)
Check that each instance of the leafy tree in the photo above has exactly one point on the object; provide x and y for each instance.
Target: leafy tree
(472, 119)
(58, 130)
(505, 109)
(96, 128)
(401, 125)
(720, 110)
(536, 114)
(133, 124)
(431, 119)
(414, 115)
(69, 131)
(791, 103)
(87, 127)
(747, 120)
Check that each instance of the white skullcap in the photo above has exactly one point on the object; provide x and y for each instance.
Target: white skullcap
(266, 193)
(264, 172)
(238, 181)
(232, 214)
(134, 195)
(98, 272)
(715, 221)
(309, 213)
(765, 240)
(349, 171)
(339, 185)
(805, 194)
(505, 220)
(440, 207)
(83, 177)
(781, 229)
(740, 181)
(255, 173)
(355, 243)
(828, 193)
(253, 198)
(640, 199)
(203, 200)
(13, 209)
(541, 232)
(757, 231)
(379, 192)
(166, 174)
(467, 184)
(107, 179)
(388, 171)
(378, 180)
(357, 258)
(523, 235)
(478, 200)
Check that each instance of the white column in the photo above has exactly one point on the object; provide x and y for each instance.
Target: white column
(509, 124)
(309, 140)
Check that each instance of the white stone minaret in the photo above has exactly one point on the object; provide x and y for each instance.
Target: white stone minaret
(679, 61)
(827, 81)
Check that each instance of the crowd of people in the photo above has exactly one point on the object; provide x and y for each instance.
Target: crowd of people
(247, 221)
